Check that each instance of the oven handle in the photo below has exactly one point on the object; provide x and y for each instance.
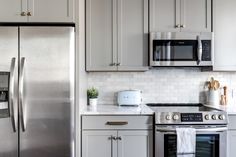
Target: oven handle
(216, 129)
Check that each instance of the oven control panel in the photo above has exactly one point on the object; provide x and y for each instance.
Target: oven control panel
(191, 117)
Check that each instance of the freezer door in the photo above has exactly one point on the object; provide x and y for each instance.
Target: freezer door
(46, 91)
(8, 91)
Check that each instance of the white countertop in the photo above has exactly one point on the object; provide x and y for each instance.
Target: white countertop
(117, 110)
(230, 109)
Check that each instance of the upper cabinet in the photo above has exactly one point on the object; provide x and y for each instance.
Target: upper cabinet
(224, 29)
(132, 35)
(180, 15)
(11, 11)
(36, 11)
(101, 37)
(116, 35)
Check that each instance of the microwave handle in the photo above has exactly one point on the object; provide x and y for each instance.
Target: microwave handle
(199, 50)
(215, 129)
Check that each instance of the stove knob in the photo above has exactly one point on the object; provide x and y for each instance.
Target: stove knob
(176, 117)
(221, 117)
(207, 117)
(168, 117)
(214, 117)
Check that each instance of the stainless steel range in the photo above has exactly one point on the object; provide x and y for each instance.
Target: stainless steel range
(210, 125)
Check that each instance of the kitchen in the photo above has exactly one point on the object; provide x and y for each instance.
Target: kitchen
(113, 53)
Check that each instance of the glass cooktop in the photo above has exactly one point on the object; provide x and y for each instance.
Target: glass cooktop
(180, 107)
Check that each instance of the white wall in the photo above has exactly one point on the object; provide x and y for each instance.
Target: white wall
(171, 85)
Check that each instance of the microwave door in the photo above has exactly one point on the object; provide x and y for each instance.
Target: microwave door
(162, 53)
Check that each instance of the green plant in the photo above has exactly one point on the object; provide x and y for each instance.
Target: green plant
(92, 93)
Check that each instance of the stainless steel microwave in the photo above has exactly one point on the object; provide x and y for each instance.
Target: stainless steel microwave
(181, 49)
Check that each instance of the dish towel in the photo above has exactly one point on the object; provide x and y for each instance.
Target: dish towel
(186, 142)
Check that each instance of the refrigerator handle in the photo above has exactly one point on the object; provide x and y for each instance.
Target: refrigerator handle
(21, 91)
(11, 94)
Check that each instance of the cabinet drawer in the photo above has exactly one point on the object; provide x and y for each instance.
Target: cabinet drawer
(117, 122)
(232, 123)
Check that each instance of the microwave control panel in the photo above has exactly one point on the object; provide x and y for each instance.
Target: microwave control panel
(206, 50)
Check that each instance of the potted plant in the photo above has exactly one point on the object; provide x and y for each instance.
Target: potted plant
(92, 95)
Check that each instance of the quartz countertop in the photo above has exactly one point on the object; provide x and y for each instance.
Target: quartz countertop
(230, 109)
(117, 110)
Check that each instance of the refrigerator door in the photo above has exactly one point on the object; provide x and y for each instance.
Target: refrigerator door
(46, 91)
(8, 91)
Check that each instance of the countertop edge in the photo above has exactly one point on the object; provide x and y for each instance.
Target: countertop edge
(114, 110)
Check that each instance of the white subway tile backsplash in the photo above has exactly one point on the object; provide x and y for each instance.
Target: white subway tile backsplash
(163, 85)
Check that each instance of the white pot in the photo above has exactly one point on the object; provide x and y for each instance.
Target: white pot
(213, 97)
(93, 102)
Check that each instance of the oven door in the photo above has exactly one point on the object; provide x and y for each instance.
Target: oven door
(210, 142)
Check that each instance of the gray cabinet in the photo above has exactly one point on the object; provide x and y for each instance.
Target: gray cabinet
(117, 136)
(101, 38)
(51, 10)
(231, 144)
(134, 144)
(10, 10)
(99, 144)
(180, 15)
(36, 10)
(116, 35)
(224, 29)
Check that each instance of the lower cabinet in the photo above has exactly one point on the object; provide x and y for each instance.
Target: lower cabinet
(231, 143)
(116, 143)
(134, 144)
(231, 136)
(99, 144)
(117, 136)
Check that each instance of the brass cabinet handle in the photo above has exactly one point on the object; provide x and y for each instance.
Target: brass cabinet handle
(117, 123)
(29, 14)
(23, 13)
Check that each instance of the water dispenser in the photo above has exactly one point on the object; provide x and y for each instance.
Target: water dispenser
(4, 94)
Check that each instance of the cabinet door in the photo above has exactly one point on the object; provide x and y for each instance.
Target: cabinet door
(99, 144)
(10, 10)
(132, 35)
(51, 10)
(231, 143)
(225, 32)
(164, 15)
(135, 144)
(101, 35)
(196, 15)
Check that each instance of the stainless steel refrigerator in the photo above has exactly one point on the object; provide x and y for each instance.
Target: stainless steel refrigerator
(37, 91)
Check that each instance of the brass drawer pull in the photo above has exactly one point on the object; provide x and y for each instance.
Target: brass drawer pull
(117, 123)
